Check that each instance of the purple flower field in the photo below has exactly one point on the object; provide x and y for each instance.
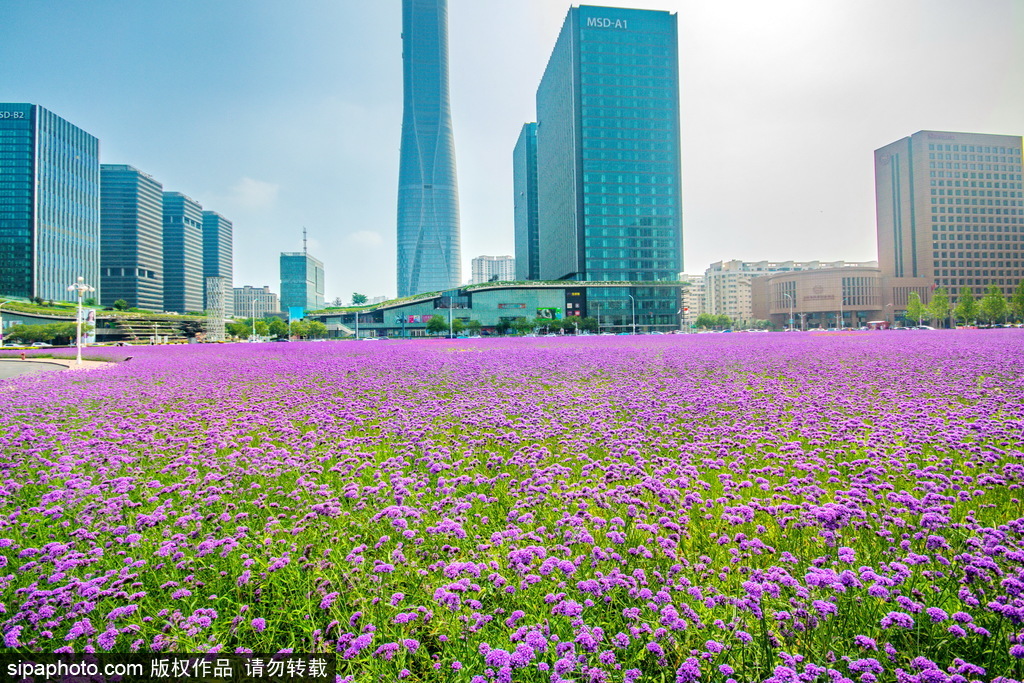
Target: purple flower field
(783, 508)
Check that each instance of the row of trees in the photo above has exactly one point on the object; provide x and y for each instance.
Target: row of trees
(277, 328)
(991, 309)
(438, 325)
(59, 334)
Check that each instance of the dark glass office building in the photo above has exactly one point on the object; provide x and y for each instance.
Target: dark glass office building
(132, 236)
(524, 185)
(183, 253)
(608, 159)
(429, 253)
(302, 282)
(49, 204)
(218, 256)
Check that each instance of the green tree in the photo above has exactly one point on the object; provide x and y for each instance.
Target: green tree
(1017, 303)
(589, 324)
(522, 326)
(705, 321)
(60, 334)
(993, 305)
(458, 326)
(723, 321)
(317, 330)
(277, 328)
(89, 301)
(915, 309)
(503, 327)
(474, 327)
(239, 330)
(437, 324)
(262, 328)
(299, 328)
(358, 299)
(966, 307)
(121, 305)
(938, 307)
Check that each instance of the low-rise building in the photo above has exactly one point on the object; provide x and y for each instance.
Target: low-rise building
(846, 297)
(617, 306)
(727, 284)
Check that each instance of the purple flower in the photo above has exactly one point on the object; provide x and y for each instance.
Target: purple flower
(865, 642)
(328, 600)
(107, 639)
(258, 624)
(688, 672)
(897, 619)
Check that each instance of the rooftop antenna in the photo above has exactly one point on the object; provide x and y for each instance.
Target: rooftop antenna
(304, 249)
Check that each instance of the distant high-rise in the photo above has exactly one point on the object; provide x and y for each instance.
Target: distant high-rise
(608, 159)
(493, 268)
(49, 204)
(132, 234)
(218, 251)
(255, 302)
(429, 253)
(183, 254)
(302, 281)
(524, 186)
(950, 211)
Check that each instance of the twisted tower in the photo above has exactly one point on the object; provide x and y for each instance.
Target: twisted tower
(429, 255)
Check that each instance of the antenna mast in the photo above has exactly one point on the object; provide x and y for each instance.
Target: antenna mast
(304, 249)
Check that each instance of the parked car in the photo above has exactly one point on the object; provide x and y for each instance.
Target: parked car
(42, 345)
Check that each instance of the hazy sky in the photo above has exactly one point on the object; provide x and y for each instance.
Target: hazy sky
(281, 114)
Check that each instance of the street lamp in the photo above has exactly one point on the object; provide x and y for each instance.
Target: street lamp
(632, 302)
(2, 304)
(790, 297)
(80, 288)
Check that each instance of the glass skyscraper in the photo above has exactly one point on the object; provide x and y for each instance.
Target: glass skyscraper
(608, 159)
(429, 253)
(49, 204)
(218, 255)
(183, 254)
(524, 185)
(132, 234)
(302, 281)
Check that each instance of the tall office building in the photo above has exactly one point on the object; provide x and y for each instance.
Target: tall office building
(429, 253)
(950, 212)
(49, 204)
(183, 254)
(524, 186)
(608, 158)
(218, 256)
(302, 281)
(493, 268)
(132, 234)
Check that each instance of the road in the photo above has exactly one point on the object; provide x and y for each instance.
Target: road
(15, 368)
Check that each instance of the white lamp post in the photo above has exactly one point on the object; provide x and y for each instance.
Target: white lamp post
(790, 297)
(80, 288)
